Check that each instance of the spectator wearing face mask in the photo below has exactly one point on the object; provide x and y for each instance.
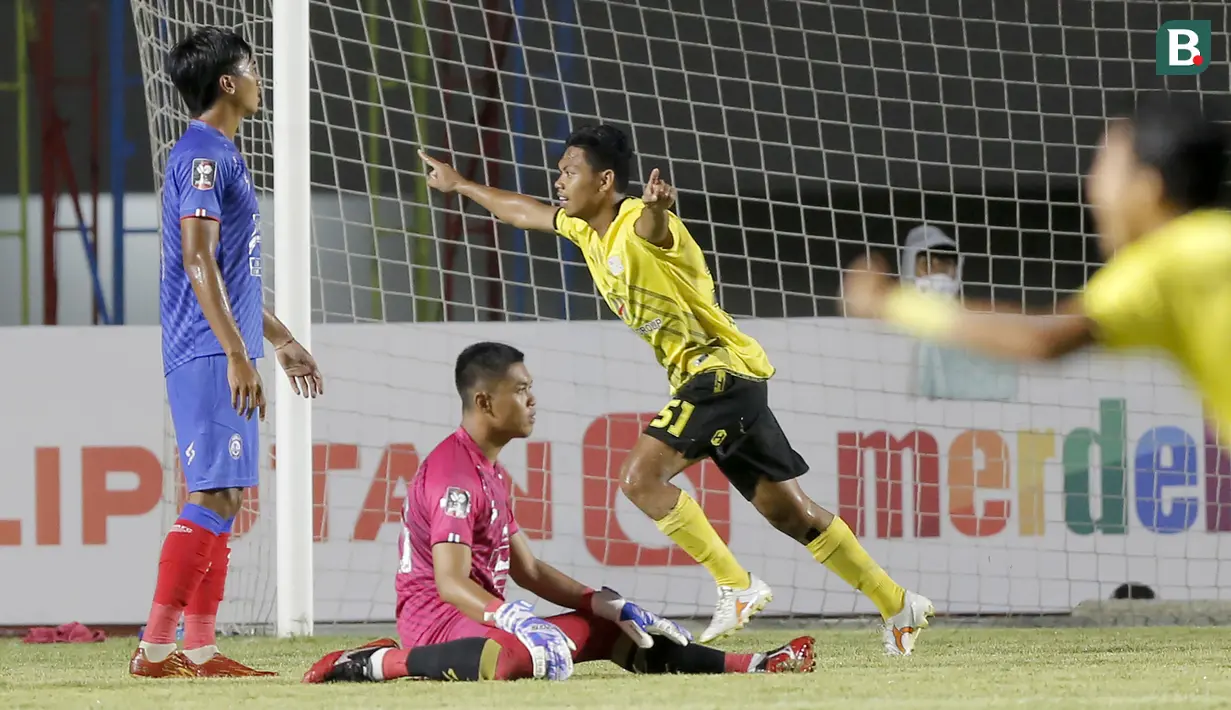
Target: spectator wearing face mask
(930, 260)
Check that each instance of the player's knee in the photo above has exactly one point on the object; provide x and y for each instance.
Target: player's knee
(637, 478)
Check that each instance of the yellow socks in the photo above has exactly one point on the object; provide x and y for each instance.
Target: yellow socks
(837, 549)
(688, 527)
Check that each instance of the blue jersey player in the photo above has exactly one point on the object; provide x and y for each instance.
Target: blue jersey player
(213, 322)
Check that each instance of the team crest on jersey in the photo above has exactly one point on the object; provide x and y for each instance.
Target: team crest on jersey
(456, 502)
(236, 446)
(204, 171)
(614, 265)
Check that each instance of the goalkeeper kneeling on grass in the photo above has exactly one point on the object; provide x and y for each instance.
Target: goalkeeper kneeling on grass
(460, 542)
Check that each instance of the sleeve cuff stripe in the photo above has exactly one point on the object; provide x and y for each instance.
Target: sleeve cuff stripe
(200, 214)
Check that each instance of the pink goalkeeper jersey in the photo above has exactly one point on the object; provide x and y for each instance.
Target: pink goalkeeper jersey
(456, 496)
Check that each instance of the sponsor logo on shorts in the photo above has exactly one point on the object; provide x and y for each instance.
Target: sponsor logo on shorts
(719, 437)
(190, 453)
(236, 446)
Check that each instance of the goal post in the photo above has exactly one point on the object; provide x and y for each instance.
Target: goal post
(293, 305)
(800, 134)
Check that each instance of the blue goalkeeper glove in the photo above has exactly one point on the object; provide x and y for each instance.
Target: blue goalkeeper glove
(551, 651)
(635, 622)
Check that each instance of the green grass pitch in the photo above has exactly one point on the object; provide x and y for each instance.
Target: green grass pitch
(1155, 667)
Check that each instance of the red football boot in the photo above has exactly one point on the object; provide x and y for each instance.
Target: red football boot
(174, 666)
(795, 657)
(348, 665)
(219, 666)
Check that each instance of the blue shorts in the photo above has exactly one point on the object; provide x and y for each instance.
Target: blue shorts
(217, 447)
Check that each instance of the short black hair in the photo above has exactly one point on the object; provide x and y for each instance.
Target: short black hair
(606, 148)
(1186, 148)
(198, 61)
(483, 361)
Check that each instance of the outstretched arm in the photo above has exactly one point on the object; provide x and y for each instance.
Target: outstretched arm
(518, 210)
(870, 293)
(984, 305)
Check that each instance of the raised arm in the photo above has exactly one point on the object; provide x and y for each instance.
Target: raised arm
(652, 225)
(518, 210)
(870, 293)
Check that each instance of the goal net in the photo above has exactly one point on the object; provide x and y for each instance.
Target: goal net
(800, 135)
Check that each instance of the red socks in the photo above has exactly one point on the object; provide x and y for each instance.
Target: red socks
(187, 553)
(514, 662)
(738, 663)
(201, 613)
(393, 663)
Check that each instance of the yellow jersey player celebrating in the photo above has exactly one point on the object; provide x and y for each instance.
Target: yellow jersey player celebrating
(1166, 285)
(651, 272)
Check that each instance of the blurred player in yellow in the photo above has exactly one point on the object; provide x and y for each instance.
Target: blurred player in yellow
(653, 275)
(1153, 189)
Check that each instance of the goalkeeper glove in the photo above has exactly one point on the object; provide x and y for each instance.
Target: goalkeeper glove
(551, 652)
(635, 622)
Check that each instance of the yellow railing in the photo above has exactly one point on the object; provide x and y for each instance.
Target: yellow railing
(19, 86)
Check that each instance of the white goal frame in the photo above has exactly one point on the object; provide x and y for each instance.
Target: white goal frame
(293, 306)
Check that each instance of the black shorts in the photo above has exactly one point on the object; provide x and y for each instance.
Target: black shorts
(726, 418)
